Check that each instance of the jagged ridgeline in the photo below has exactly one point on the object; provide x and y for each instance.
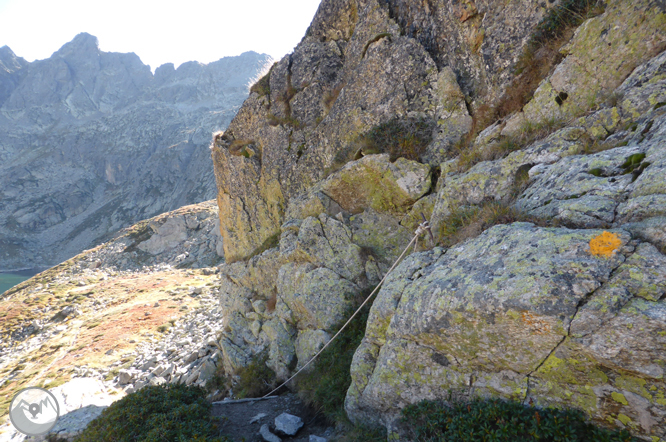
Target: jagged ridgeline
(530, 134)
(92, 142)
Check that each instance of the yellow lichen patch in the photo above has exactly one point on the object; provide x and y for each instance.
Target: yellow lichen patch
(605, 244)
(619, 397)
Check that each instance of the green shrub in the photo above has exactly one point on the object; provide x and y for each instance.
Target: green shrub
(489, 420)
(255, 379)
(360, 433)
(173, 412)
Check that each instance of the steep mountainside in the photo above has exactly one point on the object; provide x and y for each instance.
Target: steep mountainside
(91, 142)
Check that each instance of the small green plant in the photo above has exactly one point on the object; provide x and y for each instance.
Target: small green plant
(361, 433)
(168, 413)
(332, 95)
(242, 147)
(635, 165)
(255, 379)
(495, 420)
(290, 121)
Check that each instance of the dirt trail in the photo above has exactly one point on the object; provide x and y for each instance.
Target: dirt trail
(243, 420)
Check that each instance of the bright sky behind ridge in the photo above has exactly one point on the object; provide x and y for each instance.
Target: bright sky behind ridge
(158, 32)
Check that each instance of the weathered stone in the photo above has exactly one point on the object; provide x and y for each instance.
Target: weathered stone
(379, 234)
(287, 424)
(582, 190)
(308, 343)
(652, 230)
(266, 434)
(281, 351)
(495, 306)
(311, 297)
(644, 89)
(207, 371)
(375, 182)
(324, 241)
(496, 179)
(634, 32)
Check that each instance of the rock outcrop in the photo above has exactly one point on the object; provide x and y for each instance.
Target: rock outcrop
(376, 62)
(564, 311)
(569, 317)
(91, 142)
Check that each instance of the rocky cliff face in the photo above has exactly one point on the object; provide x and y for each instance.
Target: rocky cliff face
(378, 117)
(91, 142)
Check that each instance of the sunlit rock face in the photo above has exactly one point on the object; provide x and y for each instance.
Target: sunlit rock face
(92, 141)
(565, 310)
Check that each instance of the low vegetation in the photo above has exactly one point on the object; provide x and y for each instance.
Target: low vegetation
(495, 420)
(329, 97)
(255, 379)
(399, 137)
(168, 413)
(325, 385)
(242, 147)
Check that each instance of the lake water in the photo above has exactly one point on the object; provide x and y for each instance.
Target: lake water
(9, 280)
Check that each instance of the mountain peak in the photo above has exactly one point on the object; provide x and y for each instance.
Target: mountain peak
(83, 42)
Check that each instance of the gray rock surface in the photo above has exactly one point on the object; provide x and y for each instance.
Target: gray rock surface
(361, 64)
(287, 424)
(91, 142)
(266, 434)
(485, 317)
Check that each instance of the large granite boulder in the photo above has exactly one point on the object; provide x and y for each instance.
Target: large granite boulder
(536, 314)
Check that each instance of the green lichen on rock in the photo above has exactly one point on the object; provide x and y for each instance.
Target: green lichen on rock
(632, 30)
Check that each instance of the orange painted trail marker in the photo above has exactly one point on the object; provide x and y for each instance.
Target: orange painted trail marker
(605, 244)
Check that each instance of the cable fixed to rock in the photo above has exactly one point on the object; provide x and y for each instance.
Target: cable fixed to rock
(423, 228)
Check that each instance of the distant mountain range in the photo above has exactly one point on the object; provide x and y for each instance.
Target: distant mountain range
(93, 141)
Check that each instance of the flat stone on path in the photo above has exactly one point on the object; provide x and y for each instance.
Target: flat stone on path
(288, 424)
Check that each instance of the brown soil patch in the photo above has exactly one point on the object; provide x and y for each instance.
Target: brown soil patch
(113, 317)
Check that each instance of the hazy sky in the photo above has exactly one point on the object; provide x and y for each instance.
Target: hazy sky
(159, 32)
